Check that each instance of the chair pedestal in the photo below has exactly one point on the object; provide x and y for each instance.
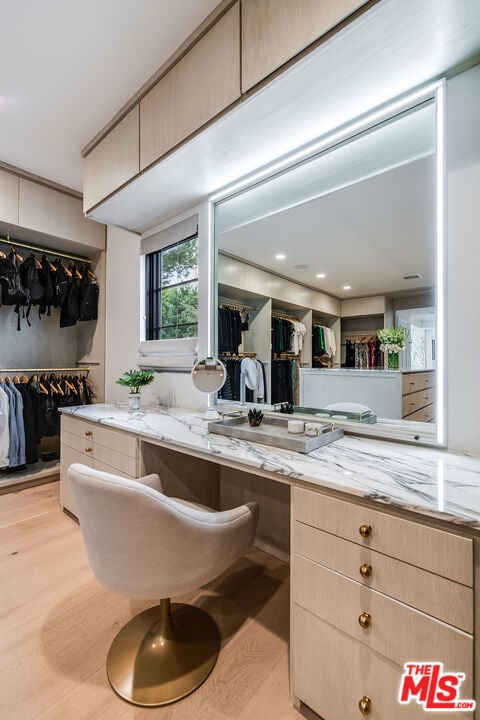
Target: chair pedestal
(163, 654)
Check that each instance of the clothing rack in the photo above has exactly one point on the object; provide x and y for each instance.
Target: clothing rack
(282, 316)
(18, 371)
(46, 251)
(232, 306)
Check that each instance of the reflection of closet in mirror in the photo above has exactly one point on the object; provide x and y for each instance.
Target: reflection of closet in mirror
(348, 239)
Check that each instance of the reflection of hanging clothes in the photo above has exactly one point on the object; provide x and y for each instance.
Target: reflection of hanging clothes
(363, 353)
(284, 381)
(229, 330)
(281, 332)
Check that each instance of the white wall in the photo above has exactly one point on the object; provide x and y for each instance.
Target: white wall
(122, 321)
(463, 261)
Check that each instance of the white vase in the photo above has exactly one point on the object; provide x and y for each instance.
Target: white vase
(134, 401)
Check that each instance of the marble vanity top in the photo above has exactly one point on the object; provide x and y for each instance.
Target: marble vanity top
(428, 481)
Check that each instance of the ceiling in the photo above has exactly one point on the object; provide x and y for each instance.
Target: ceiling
(68, 66)
(362, 213)
(368, 236)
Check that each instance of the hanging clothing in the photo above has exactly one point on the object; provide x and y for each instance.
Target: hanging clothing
(296, 337)
(14, 440)
(4, 429)
(229, 330)
(31, 440)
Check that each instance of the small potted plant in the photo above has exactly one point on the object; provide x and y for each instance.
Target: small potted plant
(135, 380)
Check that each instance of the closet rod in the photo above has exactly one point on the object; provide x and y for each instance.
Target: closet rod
(46, 251)
(50, 370)
(237, 304)
(282, 316)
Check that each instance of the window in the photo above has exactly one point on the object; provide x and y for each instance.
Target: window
(171, 280)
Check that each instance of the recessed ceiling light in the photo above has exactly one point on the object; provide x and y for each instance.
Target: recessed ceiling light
(347, 287)
(280, 257)
(300, 267)
(320, 275)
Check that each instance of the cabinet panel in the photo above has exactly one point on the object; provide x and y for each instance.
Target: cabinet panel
(202, 84)
(435, 550)
(55, 213)
(113, 161)
(9, 198)
(332, 673)
(412, 382)
(94, 435)
(274, 31)
(444, 599)
(426, 414)
(417, 400)
(396, 631)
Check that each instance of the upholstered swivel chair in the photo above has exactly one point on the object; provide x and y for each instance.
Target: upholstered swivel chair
(143, 544)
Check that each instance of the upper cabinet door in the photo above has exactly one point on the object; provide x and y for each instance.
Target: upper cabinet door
(8, 198)
(202, 84)
(113, 161)
(54, 213)
(274, 31)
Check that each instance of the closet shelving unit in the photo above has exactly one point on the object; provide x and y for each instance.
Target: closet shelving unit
(41, 472)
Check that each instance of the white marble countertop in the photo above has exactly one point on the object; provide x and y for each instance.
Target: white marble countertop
(428, 481)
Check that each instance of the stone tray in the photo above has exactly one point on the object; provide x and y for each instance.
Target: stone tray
(274, 431)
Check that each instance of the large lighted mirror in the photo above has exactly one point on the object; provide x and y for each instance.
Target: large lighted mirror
(327, 278)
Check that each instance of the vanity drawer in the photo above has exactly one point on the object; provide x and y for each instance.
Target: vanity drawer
(412, 382)
(426, 414)
(416, 401)
(94, 433)
(441, 552)
(325, 658)
(435, 595)
(392, 629)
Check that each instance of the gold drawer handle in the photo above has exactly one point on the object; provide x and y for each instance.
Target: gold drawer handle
(88, 433)
(88, 449)
(365, 530)
(365, 705)
(365, 620)
(366, 570)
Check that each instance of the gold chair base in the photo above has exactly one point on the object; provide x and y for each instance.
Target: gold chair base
(158, 658)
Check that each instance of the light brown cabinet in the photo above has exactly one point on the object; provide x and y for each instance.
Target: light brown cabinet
(113, 161)
(369, 593)
(96, 447)
(56, 214)
(274, 31)
(199, 87)
(8, 198)
(418, 396)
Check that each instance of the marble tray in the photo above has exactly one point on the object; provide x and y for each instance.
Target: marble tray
(274, 431)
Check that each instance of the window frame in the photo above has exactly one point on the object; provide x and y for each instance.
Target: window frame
(153, 288)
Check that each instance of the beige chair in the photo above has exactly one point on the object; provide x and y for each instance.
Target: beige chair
(143, 544)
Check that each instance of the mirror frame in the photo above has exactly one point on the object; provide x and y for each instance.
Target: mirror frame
(433, 91)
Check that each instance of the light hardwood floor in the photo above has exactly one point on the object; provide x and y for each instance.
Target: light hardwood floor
(57, 622)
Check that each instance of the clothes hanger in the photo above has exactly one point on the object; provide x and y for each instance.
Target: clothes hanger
(18, 257)
(24, 379)
(8, 379)
(16, 380)
(2, 256)
(65, 269)
(38, 264)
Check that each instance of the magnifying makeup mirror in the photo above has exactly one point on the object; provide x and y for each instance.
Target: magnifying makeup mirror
(209, 376)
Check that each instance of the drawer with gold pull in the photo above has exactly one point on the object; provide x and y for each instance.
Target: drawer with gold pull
(435, 595)
(391, 628)
(365, 684)
(438, 551)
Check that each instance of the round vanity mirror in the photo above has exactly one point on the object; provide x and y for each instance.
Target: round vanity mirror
(209, 375)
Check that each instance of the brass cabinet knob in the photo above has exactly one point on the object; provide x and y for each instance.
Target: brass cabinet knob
(365, 705)
(365, 620)
(88, 433)
(366, 570)
(365, 530)
(88, 449)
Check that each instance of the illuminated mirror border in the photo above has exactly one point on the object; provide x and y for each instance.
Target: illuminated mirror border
(433, 91)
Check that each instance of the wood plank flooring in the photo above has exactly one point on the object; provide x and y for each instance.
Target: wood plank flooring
(57, 623)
